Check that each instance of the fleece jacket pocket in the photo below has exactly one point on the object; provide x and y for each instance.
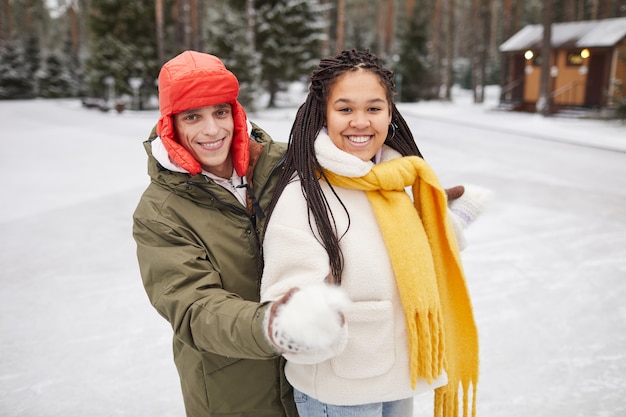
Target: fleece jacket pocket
(371, 346)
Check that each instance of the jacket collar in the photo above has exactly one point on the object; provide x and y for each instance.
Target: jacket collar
(343, 163)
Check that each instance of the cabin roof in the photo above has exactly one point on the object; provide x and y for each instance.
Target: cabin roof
(585, 34)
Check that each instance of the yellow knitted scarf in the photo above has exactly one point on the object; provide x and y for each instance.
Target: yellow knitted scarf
(442, 334)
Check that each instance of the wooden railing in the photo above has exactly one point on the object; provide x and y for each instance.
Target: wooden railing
(567, 94)
(507, 90)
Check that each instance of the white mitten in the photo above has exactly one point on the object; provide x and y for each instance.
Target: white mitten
(464, 207)
(307, 319)
(470, 204)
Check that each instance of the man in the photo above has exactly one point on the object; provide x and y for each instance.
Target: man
(197, 229)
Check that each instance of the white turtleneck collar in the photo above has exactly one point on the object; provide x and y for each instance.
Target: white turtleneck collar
(343, 163)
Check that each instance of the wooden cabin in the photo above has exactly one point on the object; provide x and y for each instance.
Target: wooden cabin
(587, 65)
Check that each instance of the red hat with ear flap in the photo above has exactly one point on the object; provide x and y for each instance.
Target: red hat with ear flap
(193, 80)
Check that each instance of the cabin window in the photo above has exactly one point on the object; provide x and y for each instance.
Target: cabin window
(537, 60)
(575, 58)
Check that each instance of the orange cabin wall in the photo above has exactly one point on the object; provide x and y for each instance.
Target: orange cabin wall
(571, 79)
(566, 75)
(532, 82)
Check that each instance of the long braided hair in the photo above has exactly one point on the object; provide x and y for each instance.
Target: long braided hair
(310, 119)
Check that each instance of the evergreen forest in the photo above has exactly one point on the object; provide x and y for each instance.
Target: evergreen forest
(111, 50)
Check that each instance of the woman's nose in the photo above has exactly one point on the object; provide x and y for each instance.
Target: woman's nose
(360, 121)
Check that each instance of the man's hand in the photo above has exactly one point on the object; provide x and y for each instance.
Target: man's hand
(307, 319)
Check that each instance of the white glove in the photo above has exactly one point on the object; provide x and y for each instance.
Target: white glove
(465, 204)
(470, 204)
(307, 319)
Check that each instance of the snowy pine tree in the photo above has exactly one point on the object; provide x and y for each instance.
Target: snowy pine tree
(122, 46)
(55, 79)
(32, 56)
(229, 39)
(414, 70)
(16, 80)
(288, 37)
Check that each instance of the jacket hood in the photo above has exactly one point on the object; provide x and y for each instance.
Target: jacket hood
(178, 180)
(192, 80)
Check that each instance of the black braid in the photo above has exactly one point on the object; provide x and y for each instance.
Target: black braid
(310, 118)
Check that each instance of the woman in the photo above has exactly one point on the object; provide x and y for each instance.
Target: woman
(341, 216)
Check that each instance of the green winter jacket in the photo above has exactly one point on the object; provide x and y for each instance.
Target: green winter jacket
(199, 252)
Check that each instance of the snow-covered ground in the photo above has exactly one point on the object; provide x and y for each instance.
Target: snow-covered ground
(546, 263)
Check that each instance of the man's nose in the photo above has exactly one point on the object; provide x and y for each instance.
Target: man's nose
(210, 126)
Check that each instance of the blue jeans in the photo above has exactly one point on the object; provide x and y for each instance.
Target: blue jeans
(310, 407)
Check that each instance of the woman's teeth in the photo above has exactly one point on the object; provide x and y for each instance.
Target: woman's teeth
(358, 139)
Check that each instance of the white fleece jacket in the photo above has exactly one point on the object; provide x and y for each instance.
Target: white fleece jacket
(374, 366)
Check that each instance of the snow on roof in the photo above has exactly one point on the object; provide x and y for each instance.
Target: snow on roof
(596, 33)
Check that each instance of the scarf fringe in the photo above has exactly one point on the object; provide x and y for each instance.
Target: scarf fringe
(426, 346)
(447, 399)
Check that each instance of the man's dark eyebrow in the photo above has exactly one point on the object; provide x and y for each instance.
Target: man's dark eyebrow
(194, 110)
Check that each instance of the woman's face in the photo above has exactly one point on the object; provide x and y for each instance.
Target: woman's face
(358, 114)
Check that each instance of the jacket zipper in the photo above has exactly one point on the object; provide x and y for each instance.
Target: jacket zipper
(278, 164)
(232, 206)
(251, 217)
